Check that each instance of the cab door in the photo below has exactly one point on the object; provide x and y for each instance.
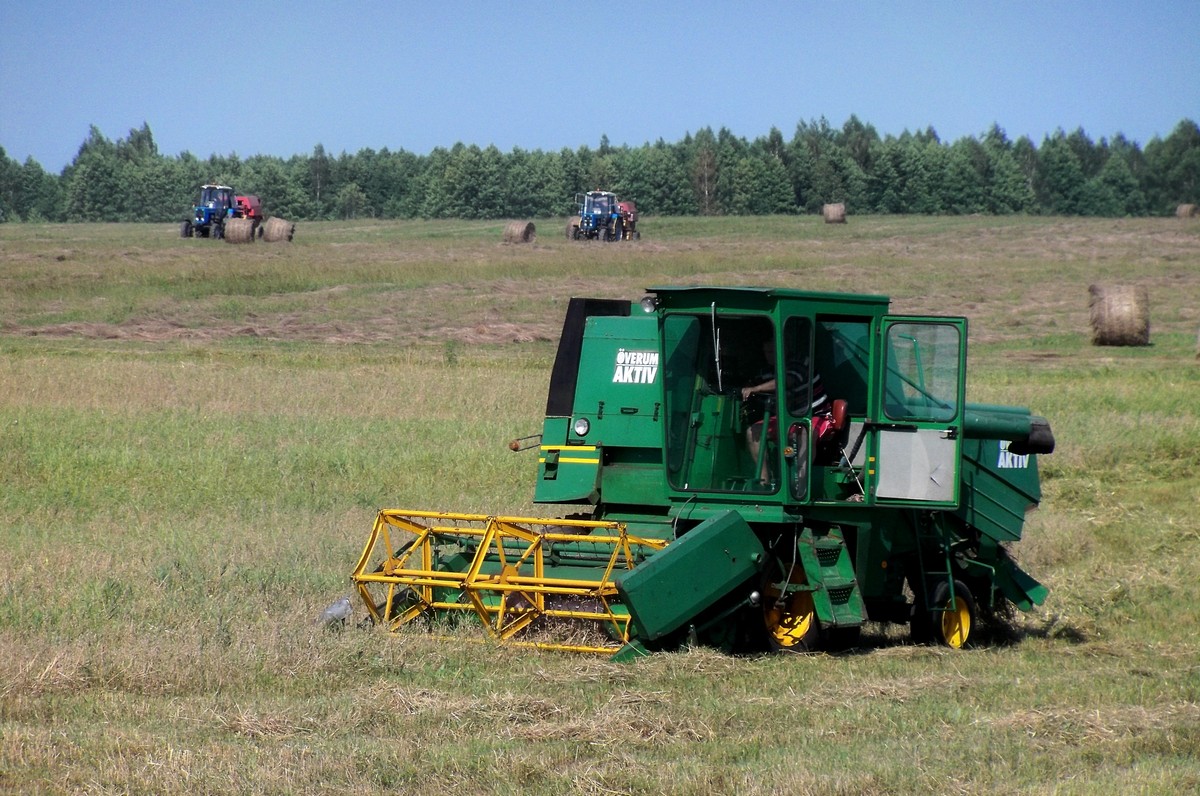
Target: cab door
(919, 411)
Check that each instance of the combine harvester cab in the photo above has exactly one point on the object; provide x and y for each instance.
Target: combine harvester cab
(756, 468)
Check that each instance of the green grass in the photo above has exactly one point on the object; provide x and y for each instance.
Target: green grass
(196, 437)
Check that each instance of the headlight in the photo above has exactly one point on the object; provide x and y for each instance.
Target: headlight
(649, 303)
(582, 426)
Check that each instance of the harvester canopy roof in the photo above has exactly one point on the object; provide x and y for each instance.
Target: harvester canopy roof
(695, 295)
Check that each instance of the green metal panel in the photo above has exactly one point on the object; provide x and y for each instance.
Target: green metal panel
(568, 471)
(1019, 586)
(639, 483)
(620, 384)
(690, 574)
(998, 488)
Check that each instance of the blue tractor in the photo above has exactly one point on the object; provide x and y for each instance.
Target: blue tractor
(603, 217)
(217, 203)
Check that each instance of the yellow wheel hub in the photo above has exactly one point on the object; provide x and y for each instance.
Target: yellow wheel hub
(788, 623)
(956, 623)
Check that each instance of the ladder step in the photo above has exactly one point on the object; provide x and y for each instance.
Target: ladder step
(841, 593)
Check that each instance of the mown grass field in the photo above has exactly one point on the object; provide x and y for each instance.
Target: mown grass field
(195, 437)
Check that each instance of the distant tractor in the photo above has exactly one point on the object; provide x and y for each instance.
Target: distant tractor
(603, 217)
(217, 206)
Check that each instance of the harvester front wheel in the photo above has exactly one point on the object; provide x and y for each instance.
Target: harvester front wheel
(789, 617)
(791, 623)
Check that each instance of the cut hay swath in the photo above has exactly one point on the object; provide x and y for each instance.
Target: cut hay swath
(239, 230)
(519, 232)
(834, 213)
(276, 229)
(1120, 315)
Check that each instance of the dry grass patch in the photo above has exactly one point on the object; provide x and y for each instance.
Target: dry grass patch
(1107, 725)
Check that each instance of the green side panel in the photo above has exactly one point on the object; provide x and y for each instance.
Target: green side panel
(619, 394)
(691, 574)
(620, 382)
(998, 487)
(636, 483)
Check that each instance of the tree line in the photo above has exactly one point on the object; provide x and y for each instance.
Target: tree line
(705, 173)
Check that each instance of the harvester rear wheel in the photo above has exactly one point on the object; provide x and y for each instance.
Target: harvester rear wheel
(951, 622)
(956, 622)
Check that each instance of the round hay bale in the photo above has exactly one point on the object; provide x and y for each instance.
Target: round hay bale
(276, 229)
(1120, 315)
(520, 232)
(239, 230)
(1187, 211)
(834, 213)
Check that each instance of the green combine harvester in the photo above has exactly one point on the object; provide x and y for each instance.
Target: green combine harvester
(757, 469)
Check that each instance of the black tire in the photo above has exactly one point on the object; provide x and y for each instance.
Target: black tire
(185, 229)
(218, 231)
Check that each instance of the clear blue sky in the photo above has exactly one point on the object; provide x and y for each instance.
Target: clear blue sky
(278, 78)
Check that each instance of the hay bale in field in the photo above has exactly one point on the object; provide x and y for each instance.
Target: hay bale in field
(239, 230)
(276, 229)
(520, 232)
(834, 213)
(1120, 315)
(1187, 211)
